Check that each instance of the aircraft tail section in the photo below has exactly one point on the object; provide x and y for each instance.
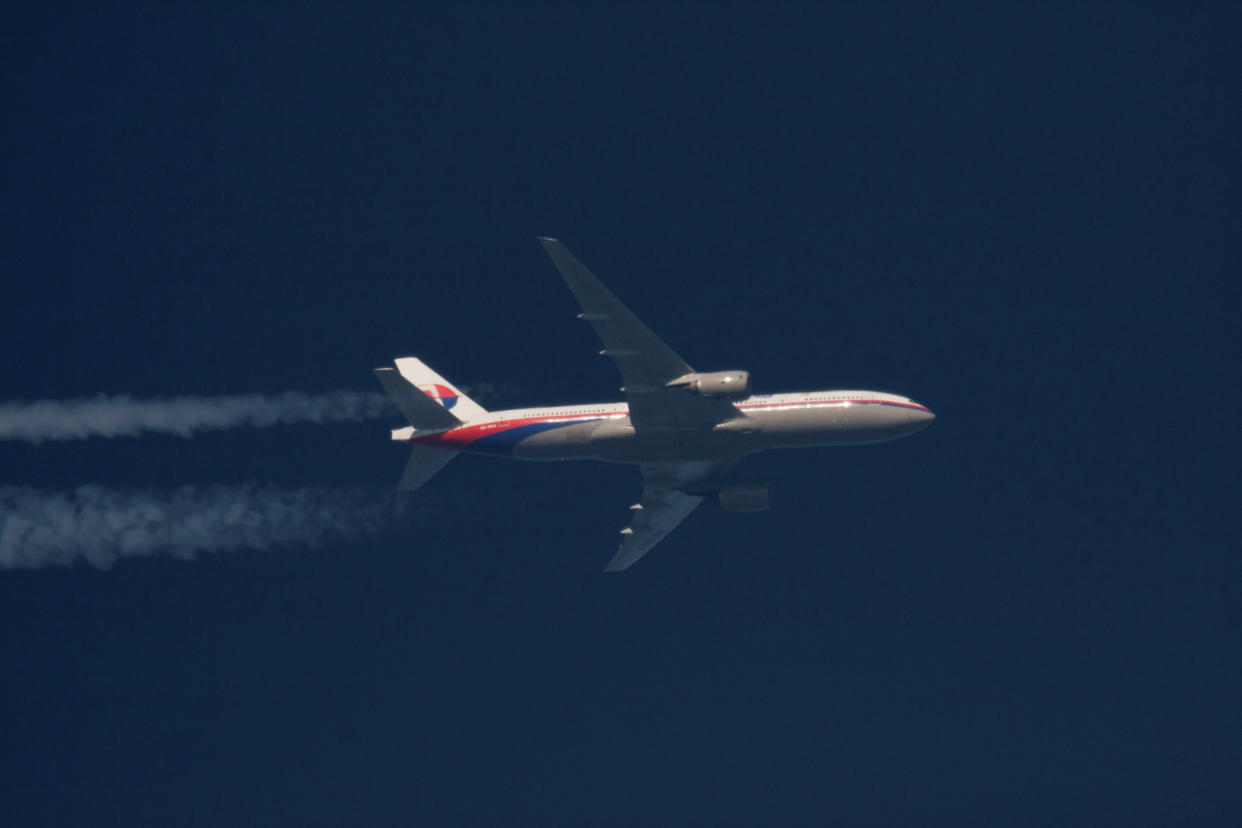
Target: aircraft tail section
(428, 400)
(430, 403)
(416, 372)
(419, 409)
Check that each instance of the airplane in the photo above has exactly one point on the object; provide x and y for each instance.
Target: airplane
(684, 430)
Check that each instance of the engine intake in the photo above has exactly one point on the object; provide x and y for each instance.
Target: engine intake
(730, 385)
(745, 497)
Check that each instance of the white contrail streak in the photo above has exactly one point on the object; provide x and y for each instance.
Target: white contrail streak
(99, 525)
(123, 416)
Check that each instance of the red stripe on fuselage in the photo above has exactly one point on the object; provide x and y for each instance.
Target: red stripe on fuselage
(467, 434)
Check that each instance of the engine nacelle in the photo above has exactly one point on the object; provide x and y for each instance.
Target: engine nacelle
(745, 497)
(730, 385)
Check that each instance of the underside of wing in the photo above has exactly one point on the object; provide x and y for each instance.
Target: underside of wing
(657, 514)
(646, 364)
(671, 491)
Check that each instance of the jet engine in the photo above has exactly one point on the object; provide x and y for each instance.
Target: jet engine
(729, 385)
(745, 497)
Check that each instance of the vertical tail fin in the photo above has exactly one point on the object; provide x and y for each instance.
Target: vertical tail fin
(439, 389)
(419, 409)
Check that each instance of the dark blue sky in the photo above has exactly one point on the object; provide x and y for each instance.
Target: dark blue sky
(1026, 218)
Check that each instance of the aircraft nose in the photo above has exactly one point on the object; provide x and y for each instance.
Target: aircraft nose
(921, 416)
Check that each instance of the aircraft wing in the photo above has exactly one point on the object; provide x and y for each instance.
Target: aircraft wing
(665, 503)
(645, 362)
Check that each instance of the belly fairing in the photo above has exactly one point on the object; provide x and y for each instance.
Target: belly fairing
(546, 441)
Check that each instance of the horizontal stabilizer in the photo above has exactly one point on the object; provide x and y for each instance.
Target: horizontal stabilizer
(423, 465)
(421, 410)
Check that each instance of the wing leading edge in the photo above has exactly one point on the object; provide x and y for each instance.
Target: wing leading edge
(646, 363)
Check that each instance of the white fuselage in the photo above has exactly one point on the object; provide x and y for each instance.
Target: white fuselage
(603, 431)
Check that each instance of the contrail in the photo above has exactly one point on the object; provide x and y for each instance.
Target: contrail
(123, 416)
(99, 525)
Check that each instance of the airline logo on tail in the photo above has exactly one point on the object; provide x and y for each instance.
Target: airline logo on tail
(442, 394)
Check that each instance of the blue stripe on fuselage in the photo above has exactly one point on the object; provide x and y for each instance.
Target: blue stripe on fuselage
(502, 442)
